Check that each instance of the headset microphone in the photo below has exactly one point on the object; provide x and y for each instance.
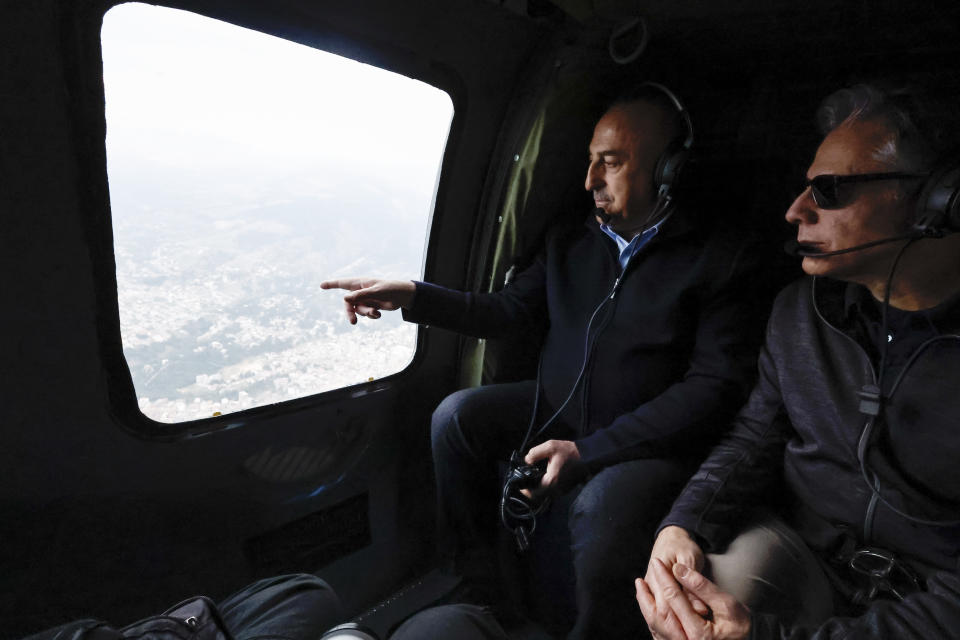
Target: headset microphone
(797, 250)
(938, 206)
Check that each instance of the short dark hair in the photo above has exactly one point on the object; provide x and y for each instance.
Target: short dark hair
(919, 124)
(650, 94)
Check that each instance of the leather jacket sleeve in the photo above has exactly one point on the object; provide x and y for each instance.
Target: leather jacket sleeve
(744, 469)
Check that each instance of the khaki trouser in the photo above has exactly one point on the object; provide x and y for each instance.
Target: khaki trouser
(770, 569)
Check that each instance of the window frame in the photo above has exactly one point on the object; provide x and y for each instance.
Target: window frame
(82, 60)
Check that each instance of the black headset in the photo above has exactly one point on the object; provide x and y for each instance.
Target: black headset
(938, 206)
(670, 165)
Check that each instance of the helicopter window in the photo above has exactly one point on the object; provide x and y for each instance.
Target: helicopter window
(244, 169)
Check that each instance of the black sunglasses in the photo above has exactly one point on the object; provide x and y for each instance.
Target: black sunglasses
(826, 187)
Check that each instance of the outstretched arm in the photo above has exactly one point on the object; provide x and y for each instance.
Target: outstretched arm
(368, 296)
(518, 307)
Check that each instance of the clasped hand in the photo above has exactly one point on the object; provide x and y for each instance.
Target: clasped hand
(680, 603)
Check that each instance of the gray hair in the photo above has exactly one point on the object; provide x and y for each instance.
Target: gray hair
(917, 135)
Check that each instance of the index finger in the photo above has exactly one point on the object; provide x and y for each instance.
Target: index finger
(538, 453)
(349, 284)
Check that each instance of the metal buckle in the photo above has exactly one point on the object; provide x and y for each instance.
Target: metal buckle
(887, 575)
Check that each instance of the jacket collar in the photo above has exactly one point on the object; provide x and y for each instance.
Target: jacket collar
(678, 225)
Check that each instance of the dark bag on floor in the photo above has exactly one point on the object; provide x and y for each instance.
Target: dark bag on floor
(193, 619)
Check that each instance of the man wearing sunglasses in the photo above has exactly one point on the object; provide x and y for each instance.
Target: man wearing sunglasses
(849, 441)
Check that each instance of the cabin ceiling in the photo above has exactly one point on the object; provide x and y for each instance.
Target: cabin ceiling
(762, 25)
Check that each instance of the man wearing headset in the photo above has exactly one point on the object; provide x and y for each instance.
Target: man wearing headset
(850, 436)
(648, 333)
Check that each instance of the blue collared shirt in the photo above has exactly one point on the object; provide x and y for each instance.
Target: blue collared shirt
(629, 249)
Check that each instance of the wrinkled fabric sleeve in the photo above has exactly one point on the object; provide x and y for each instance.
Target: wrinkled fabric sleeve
(519, 306)
(934, 613)
(721, 370)
(741, 470)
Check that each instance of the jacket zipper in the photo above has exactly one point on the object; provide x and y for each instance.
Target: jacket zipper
(607, 315)
(870, 514)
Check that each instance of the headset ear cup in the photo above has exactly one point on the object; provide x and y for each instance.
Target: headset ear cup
(938, 206)
(669, 167)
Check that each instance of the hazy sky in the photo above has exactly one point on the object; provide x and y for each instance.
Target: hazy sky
(218, 95)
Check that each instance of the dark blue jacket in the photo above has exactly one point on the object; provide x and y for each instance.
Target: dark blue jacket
(670, 350)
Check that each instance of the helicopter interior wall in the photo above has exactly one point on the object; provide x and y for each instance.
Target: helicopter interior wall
(101, 517)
